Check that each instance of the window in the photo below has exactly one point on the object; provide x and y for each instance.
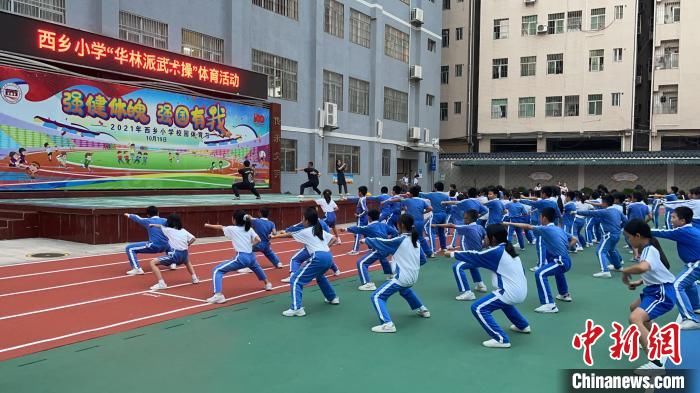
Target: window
(395, 105)
(617, 54)
(445, 4)
(499, 108)
(669, 59)
(203, 46)
(445, 38)
(555, 23)
(143, 31)
(596, 59)
(616, 99)
(444, 75)
(429, 99)
(552, 106)
(360, 28)
(349, 154)
(619, 11)
(458, 107)
(288, 8)
(458, 69)
(528, 65)
(443, 111)
(396, 44)
(333, 88)
(573, 20)
(281, 74)
(358, 95)
(288, 155)
(386, 162)
(598, 19)
(500, 68)
(571, 106)
(672, 13)
(595, 104)
(459, 33)
(431, 45)
(666, 101)
(529, 26)
(334, 18)
(526, 107)
(49, 10)
(500, 29)
(555, 64)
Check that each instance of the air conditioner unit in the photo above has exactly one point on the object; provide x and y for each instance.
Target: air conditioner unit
(321, 118)
(416, 72)
(331, 111)
(380, 128)
(416, 16)
(529, 2)
(541, 29)
(426, 135)
(414, 133)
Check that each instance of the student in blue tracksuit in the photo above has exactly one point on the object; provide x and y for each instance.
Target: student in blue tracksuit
(546, 193)
(495, 207)
(244, 239)
(568, 218)
(637, 210)
(302, 256)
(657, 297)
(581, 223)
(461, 206)
(379, 229)
(263, 227)
(687, 238)
(179, 241)
(557, 243)
(693, 203)
(395, 206)
(518, 214)
(473, 236)
(672, 196)
(414, 206)
(157, 242)
(405, 265)
(316, 241)
(509, 282)
(329, 207)
(361, 215)
(611, 222)
(436, 199)
(386, 209)
(593, 222)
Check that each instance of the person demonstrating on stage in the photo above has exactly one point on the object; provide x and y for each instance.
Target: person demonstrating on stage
(340, 167)
(312, 182)
(248, 181)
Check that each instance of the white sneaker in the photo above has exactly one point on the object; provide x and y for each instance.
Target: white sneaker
(612, 268)
(158, 286)
(547, 308)
(480, 287)
(526, 330)
(286, 279)
(237, 198)
(134, 272)
(450, 248)
(385, 328)
(564, 298)
(268, 286)
(650, 369)
(367, 287)
(468, 295)
(602, 275)
(337, 273)
(495, 344)
(689, 324)
(173, 266)
(218, 298)
(244, 270)
(354, 253)
(423, 312)
(294, 313)
(335, 301)
(534, 269)
(338, 241)
(195, 280)
(300, 196)
(280, 266)
(579, 248)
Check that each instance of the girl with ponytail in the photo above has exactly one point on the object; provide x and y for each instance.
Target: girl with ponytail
(243, 239)
(329, 207)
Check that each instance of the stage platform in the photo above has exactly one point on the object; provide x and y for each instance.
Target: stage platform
(100, 220)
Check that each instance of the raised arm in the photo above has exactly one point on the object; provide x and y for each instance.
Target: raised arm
(215, 227)
(133, 217)
(524, 226)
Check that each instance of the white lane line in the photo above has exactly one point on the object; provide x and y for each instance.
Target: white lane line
(157, 294)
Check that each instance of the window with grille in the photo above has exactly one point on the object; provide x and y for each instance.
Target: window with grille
(358, 95)
(395, 105)
(598, 19)
(617, 54)
(142, 30)
(500, 68)
(333, 18)
(288, 155)
(595, 104)
(499, 108)
(528, 65)
(431, 45)
(529, 25)
(573, 20)
(458, 107)
(458, 70)
(459, 33)
(333, 88)
(203, 46)
(445, 38)
(281, 74)
(500, 29)
(555, 23)
(555, 64)
(596, 60)
(552, 107)
(349, 154)
(360, 28)
(616, 99)
(443, 111)
(444, 75)
(386, 162)
(571, 106)
(288, 8)
(396, 44)
(672, 12)
(619, 11)
(445, 4)
(526, 107)
(429, 99)
(48, 10)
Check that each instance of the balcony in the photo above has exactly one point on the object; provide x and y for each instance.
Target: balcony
(667, 62)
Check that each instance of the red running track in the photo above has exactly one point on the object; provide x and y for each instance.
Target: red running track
(52, 303)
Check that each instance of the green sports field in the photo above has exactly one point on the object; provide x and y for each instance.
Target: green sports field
(157, 161)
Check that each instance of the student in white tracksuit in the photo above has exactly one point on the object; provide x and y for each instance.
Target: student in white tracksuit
(405, 266)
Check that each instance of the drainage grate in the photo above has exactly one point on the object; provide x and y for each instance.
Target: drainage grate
(47, 255)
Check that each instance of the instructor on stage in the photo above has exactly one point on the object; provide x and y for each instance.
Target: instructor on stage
(312, 182)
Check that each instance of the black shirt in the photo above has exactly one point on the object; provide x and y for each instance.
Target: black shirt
(312, 173)
(340, 168)
(248, 175)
